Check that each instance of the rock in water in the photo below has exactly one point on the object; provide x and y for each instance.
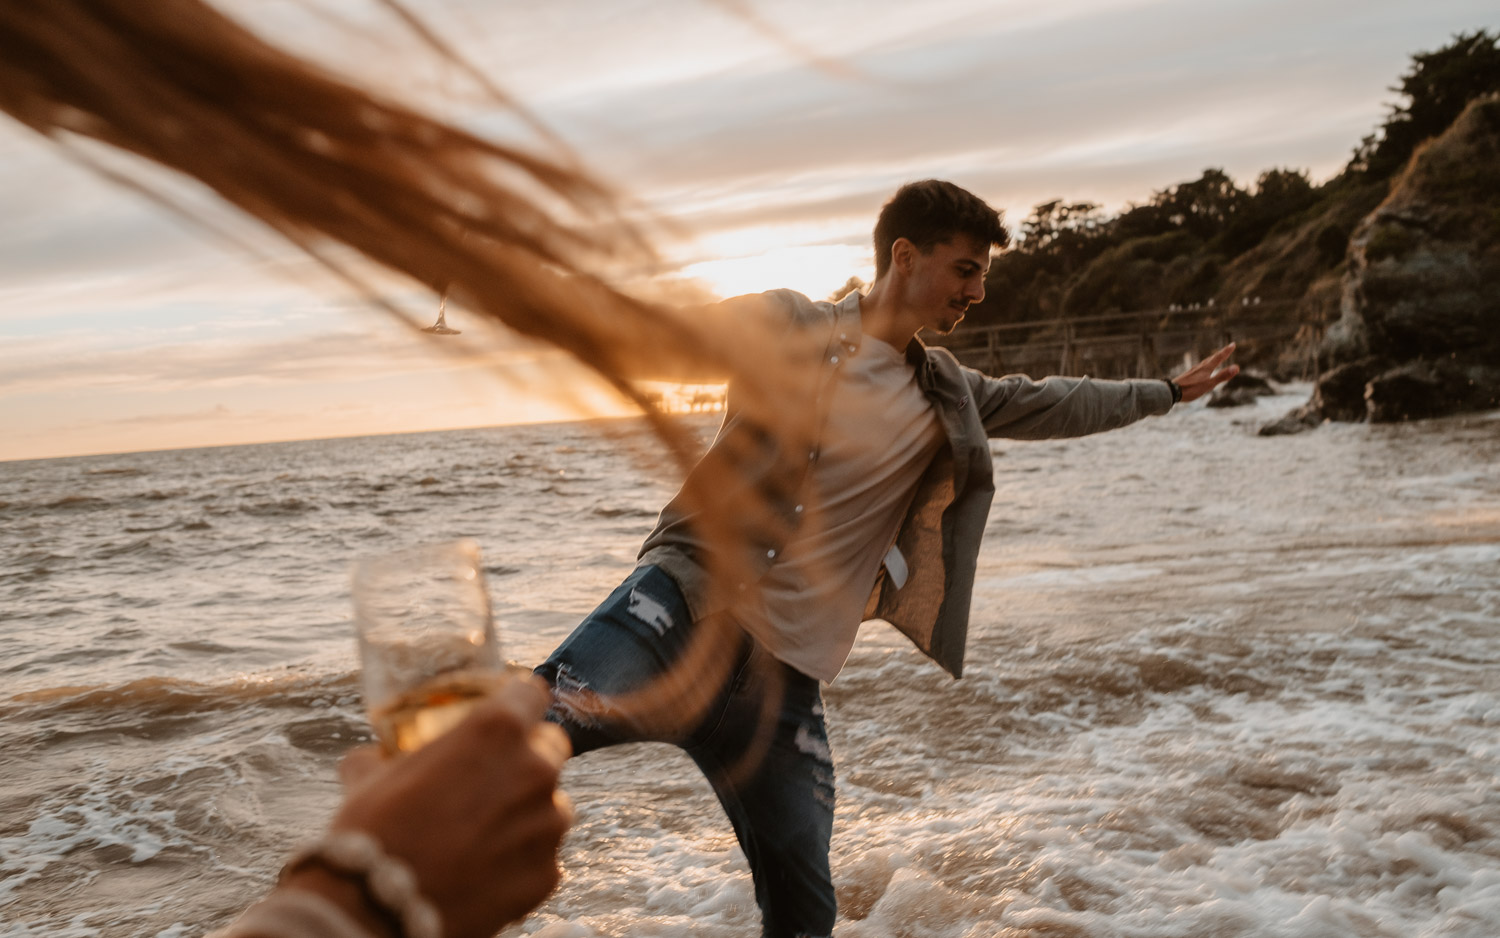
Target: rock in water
(1298, 421)
(1242, 389)
(1340, 394)
(1418, 389)
(1419, 330)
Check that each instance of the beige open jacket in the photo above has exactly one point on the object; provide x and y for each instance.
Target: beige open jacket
(940, 536)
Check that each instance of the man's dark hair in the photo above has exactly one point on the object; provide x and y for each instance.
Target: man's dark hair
(932, 211)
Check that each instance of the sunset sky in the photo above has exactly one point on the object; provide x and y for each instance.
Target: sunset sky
(768, 133)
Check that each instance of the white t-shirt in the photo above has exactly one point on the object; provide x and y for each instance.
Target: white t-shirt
(881, 435)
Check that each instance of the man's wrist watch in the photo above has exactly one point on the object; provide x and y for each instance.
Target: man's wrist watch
(1176, 390)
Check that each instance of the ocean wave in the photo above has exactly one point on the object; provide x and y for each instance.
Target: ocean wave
(200, 646)
(610, 511)
(32, 575)
(75, 502)
(329, 734)
(41, 557)
(1131, 675)
(278, 507)
(124, 633)
(94, 502)
(165, 696)
(148, 530)
(144, 545)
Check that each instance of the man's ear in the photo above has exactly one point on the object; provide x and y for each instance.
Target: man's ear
(903, 253)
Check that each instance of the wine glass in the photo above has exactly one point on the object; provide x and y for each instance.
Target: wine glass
(427, 640)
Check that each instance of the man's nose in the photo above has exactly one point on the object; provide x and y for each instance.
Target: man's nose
(976, 290)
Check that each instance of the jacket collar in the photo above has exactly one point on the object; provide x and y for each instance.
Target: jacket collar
(918, 357)
(847, 328)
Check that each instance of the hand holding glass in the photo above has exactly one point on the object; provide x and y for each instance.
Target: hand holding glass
(426, 640)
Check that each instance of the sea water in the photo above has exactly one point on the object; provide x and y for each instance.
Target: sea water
(1217, 685)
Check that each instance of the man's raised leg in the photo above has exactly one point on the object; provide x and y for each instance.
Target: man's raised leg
(629, 641)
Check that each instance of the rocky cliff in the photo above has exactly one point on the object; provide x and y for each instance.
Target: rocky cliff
(1419, 327)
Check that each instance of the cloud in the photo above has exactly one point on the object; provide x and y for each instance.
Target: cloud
(60, 220)
(56, 364)
(1157, 87)
(216, 415)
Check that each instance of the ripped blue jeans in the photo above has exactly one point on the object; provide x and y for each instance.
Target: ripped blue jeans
(777, 789)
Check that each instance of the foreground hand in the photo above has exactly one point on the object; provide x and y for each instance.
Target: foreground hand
(476, 812)
(1202, 378)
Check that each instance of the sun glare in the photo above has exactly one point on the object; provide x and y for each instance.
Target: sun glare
(816, 270)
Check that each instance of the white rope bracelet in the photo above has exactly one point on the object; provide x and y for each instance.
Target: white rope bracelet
(386, 880)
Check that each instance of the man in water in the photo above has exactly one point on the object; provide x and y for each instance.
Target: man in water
(881, 518)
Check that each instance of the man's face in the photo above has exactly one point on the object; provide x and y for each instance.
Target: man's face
(944, 282)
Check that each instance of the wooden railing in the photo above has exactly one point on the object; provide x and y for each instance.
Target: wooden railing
(1143, 344)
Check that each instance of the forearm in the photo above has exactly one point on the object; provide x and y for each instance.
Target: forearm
(1017, 407)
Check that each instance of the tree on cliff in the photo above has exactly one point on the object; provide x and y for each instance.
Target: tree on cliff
(1203, 206)
(1055, 225)
(1279, 194)
(1176, 247)
(1438, 87)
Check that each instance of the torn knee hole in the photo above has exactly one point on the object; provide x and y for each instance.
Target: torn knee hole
(574, 702)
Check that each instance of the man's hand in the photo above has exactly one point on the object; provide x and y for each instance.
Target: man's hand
(1202, 378)
(476, 812)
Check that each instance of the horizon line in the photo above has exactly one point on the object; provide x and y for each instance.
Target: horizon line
(351, 436)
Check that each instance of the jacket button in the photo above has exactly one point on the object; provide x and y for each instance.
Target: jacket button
(771, 553)
(798, 509)
(834, 360)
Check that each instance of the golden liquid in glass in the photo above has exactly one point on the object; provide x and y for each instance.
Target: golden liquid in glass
(415, 718)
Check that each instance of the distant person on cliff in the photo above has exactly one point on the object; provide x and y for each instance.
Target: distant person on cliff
(881, 516)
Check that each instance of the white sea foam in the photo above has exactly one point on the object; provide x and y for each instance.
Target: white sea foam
(89, 819)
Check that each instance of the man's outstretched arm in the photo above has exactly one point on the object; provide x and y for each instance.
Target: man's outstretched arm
(1017, 407)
